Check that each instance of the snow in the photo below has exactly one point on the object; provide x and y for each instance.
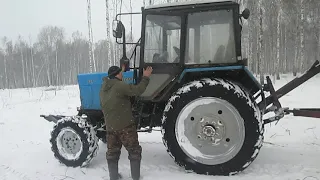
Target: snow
(187, 87)
(290, 150)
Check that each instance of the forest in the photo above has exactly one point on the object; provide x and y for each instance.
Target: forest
(281, 36)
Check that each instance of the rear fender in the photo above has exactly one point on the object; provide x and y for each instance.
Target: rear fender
(239, 74)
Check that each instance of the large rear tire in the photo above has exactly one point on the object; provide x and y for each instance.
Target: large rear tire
(212, 127)
(74, 141)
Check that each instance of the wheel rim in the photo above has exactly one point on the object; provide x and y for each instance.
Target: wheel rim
(210, 130)
(69, 144)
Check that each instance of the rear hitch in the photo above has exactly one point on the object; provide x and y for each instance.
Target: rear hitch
(274, 97)
(305, 112)
(276, 105)
(52, 118)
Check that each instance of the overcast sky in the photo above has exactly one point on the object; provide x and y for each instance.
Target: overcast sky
(26, 17)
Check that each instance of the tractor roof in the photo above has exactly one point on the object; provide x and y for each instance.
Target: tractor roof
(195, 2)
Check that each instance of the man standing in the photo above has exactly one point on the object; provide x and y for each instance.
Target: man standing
(121, 129)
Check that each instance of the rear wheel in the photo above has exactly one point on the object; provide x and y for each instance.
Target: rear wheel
(212, 126)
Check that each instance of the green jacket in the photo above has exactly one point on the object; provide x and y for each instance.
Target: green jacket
(115, 102)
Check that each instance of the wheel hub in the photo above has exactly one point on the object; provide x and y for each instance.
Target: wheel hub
(69, 143)
(210, 130)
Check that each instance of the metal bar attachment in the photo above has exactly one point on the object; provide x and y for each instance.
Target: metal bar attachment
(314, 70)
(305, 112)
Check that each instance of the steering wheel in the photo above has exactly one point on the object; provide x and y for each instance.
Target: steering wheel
(177, 50)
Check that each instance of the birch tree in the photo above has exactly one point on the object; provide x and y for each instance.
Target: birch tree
(49, 38)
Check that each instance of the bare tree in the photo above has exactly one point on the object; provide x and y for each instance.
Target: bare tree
(4, 42)
(49, 37)
(281, 36)
(260, 43)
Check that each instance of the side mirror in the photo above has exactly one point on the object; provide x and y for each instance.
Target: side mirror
(245, 13)
(117, 29)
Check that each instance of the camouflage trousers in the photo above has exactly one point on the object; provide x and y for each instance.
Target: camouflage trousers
(128, 137)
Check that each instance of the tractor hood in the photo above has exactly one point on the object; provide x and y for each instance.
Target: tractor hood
(90, 85)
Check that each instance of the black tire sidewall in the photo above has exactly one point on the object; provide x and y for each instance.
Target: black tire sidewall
(252, 129)
(84, 139)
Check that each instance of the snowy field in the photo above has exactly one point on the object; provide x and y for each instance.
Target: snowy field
(291, 149)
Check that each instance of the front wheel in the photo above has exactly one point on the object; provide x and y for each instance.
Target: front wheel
(213, 127)
(74, 141)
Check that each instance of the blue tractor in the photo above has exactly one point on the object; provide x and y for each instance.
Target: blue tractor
(208, 104)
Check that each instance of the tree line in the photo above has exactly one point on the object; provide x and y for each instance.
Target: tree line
(281, 36)
(51, 61)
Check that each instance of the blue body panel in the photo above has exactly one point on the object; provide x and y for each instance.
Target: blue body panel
(89, 86)
(223, 68)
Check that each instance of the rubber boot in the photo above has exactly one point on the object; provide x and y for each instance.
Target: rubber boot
(113, 170)
(135, 169)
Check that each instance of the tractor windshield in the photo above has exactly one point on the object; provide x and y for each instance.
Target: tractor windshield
(162, 39)
(210, 38)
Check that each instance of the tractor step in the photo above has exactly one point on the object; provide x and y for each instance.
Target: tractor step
(304, 112)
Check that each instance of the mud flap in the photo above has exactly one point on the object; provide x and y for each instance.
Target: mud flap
(52, 118)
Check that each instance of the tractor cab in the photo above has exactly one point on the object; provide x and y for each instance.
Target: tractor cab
(177, 36)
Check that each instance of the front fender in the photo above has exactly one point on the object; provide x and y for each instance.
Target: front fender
(52, 118)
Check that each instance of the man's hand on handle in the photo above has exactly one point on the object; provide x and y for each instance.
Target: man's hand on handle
(123, 67)
(147, 72)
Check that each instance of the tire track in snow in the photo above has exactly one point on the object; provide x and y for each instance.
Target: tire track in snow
(150, 167)
(9, 171)
(159, 166)
(145, 142)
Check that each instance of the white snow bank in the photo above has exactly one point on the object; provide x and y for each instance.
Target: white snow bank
(291, 149)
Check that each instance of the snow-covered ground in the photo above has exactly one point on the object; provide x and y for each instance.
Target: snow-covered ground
(291, 149)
